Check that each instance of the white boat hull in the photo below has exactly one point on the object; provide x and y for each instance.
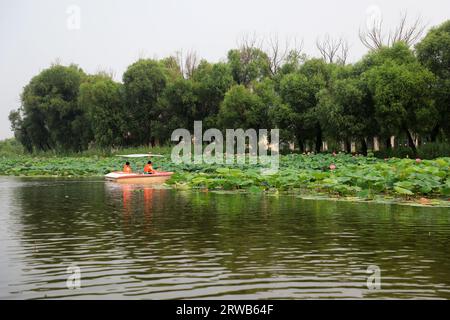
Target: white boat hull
(138, 178)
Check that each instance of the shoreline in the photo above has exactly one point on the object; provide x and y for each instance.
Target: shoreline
(335, 177)
(415, 201)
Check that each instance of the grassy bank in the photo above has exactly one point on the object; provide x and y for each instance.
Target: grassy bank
(349, 176)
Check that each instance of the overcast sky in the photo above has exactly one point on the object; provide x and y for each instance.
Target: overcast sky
(111, 34)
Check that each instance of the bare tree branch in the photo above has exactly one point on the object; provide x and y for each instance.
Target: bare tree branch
(248, 45)
(249, 41)
(409, 33)
(279, 53)
(191, 63)
(373, 37)
(342, 55)
(187, 63)
(333, 50)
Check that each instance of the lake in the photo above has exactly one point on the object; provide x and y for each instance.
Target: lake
(135, 242)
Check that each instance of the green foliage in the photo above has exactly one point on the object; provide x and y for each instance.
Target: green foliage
(434, 53)
(402, 97)
(342, 108)
(364, 177)
(144, 82)
(242, 108)
(11, 147)
(248, 64)
(212, 81)
(391, 91)
(50, 117)
(398, 152)
(433, 150)
(354, 176)
(103, 102)
(429, 150)
(299, 93)
(180, 106)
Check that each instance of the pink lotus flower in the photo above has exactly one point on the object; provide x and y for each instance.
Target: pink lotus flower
(332, 166)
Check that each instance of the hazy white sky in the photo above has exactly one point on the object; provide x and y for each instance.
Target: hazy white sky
(114, 33)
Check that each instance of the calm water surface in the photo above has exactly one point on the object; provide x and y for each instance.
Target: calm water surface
(140, 243)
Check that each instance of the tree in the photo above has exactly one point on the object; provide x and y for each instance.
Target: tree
(20, 130)
(144, 83)
(398, 53)
(280, 54)
(50, 116)
(299, 91)
(249, 62)
(375, 38)
(172, 68)
(333, 50)
(402, 96)
(212, 81)
(179, 107)
(268, 100)
(434, 53)
(241, 109)
(263, 84)
(344, 111)
(187, 63)
(103, 101)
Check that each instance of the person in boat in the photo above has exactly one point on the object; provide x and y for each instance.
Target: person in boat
(148, 168)
(127, 167)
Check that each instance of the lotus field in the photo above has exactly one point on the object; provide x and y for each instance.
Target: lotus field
(338, 175)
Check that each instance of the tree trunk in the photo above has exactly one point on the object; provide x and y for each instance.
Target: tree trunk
(388, 143)
(434, 133)
(411, 141)
(301, 146)
(318, 138)
(363, 146)
(348, 146)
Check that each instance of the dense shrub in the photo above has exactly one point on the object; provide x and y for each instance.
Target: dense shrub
(434, 150)
(398, 152)
(10, 147)
(431, 150)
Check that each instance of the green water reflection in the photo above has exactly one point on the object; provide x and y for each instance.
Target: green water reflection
(135, 242)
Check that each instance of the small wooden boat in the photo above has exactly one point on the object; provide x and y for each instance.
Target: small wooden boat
(140, 178)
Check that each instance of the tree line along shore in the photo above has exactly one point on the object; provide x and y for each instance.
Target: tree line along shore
(398, 89)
